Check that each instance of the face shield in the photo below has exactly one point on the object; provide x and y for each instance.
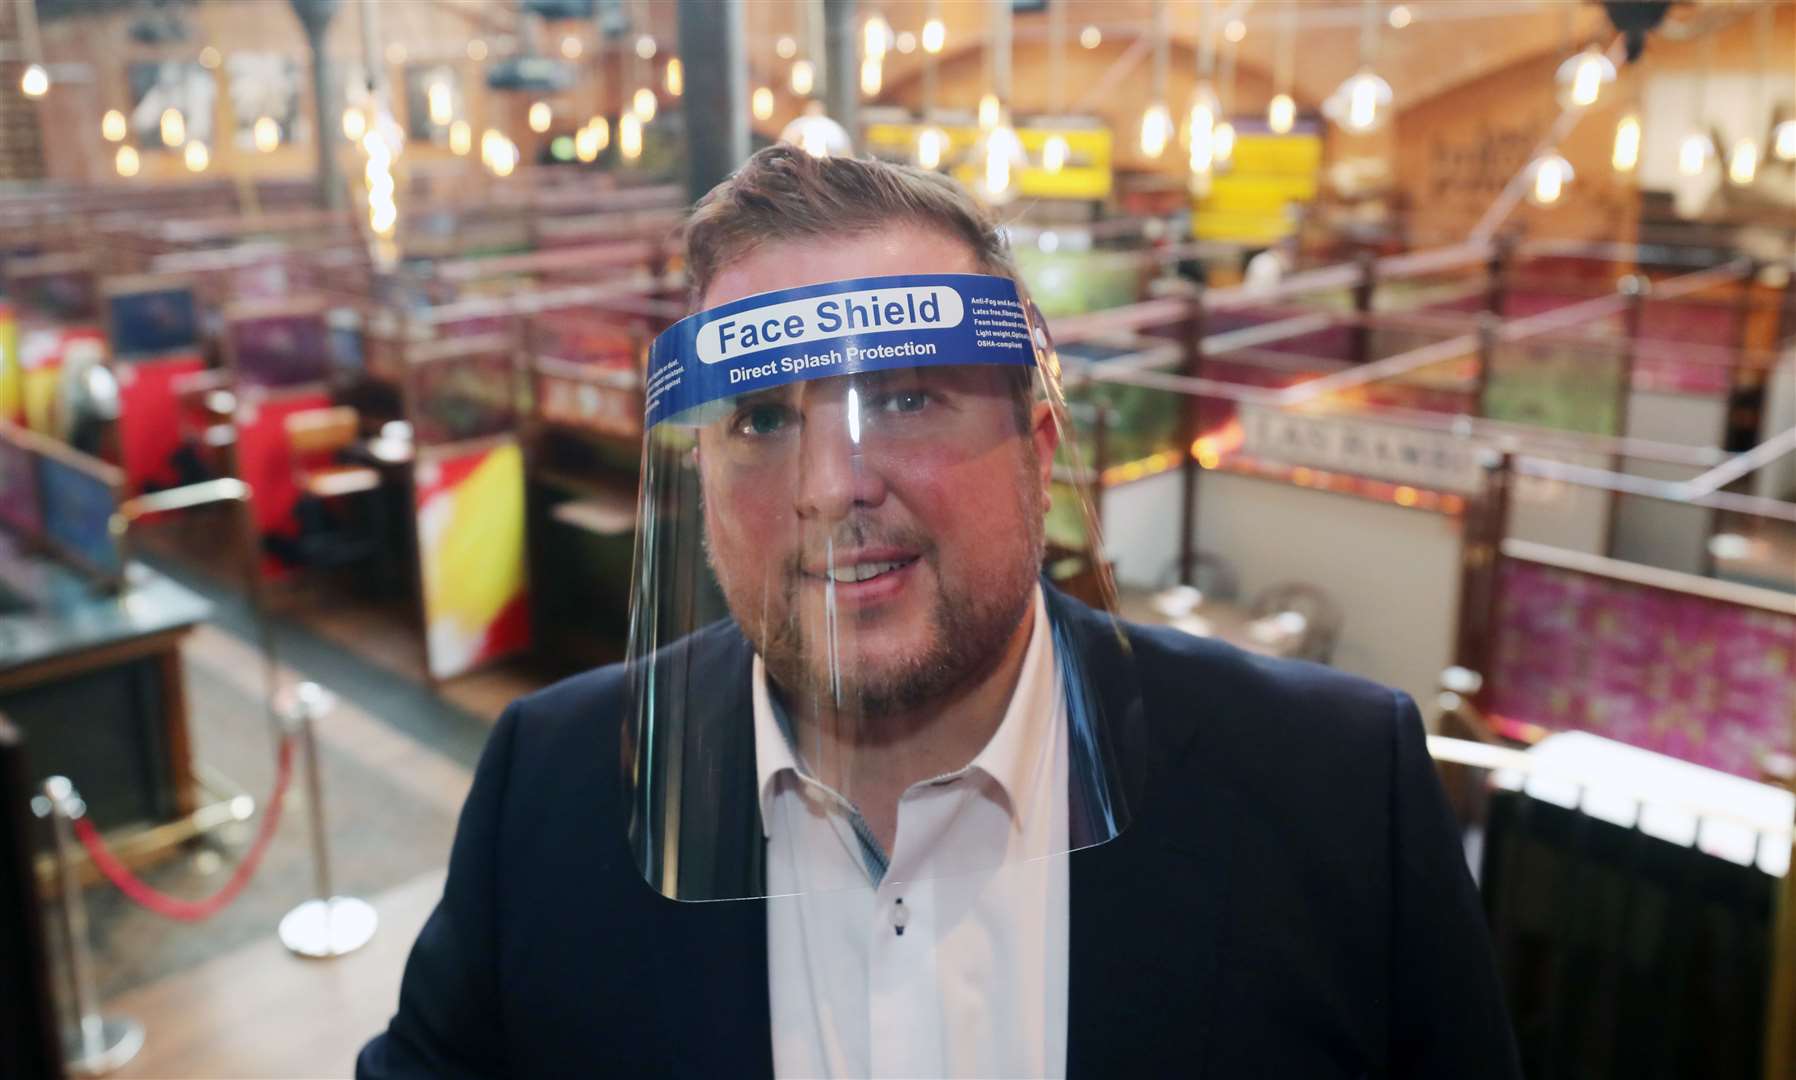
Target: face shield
(838, 590)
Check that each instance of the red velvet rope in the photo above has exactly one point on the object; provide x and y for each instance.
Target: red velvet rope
(173, 907)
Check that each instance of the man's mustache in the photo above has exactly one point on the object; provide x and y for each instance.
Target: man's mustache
(853, 534)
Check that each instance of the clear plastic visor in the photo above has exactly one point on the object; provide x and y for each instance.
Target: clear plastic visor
(845, 668)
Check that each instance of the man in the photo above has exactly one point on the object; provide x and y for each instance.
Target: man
(878, 761)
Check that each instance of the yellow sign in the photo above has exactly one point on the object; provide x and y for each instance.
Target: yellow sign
(1084, 175)
(1254, 201)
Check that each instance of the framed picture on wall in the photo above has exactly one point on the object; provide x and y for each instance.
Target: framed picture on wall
(434, 99)
(185, 86)
(264, 86)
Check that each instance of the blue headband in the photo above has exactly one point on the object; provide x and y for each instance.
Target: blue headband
(838, 328)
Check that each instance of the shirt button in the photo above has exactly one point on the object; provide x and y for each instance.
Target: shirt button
(900, 917)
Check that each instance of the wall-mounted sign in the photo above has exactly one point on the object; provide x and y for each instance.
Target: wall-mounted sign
(1254, 199)
(1436, 460)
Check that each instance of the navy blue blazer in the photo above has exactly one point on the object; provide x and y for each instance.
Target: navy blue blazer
(1289, 899)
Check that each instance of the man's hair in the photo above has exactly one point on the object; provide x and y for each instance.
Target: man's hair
(782, 194)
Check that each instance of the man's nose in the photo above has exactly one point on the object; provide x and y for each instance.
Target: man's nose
(835, 473)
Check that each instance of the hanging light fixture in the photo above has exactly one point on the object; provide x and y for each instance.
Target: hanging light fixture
(1399, 17)
(35, 82)
(1698, 146)
(572, 47)
(266, 134)
(1694, 153)
(1783, 141)
(440, 102)
(1156, 119)
(876, 35)
(935, 36)
(762, 102)
(1743, 159)
(932, 143)
(1054, 151)
(196, 156)
(1582, 77)
(1201, 124)
(1222, 136)
(541, 116)
(787, 47)
(355, 123)
(999, 151)
(590, 140)
(1548, 176)
(905, 42)
(646, 47)
(991, 111)
(675, 77)
(803, 77)
(1362, 103)
(816, 134)
(1743, 162)
(1626, 155)
(871, 77)
(173, 127)
(461, 138)
(126, 161)
(113, 127)
(1091, 37)
(1281, 111)
(629, 136)
(643, 103)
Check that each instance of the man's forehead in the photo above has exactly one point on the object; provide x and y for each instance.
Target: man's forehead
(901, 248)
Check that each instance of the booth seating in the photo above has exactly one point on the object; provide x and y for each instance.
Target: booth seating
(339, 512)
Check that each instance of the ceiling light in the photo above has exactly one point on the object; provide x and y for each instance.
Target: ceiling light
(1156, 129)
(196, 156)
(676, 77)
(817, 135)
(266, 134)
(931, 144)
(1399, 17)
(112, 126)
(803, 77)
(35, 83)
(643, 104)
(935, 35)
(1547, 177)
(1694, 152)
(1583, 77)
(461, 138)
(1091, 37)
(1054, 154)
(645, 47)
(1281, 114)
(541, 116)
(1743, 163)
(762, 102)
(1361, 104)
(1627, 144)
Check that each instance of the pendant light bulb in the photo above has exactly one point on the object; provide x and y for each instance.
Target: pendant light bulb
(804, 77)
(1548, 177)
(1001, 162)
(871, 77)
(173, 127)
(1743, 163)
(196, 156)
(35, 82)
(817, 135)
(1361, 104)
(1054, 154)
(461, 138)
(541, 116)
(876, 34)
(1582, 77)
(629, 136)
(355, 124)
(1783, 141)
(643, 104)
(127, 161)
(113, 127)
(1281, 114)
(763, 102)
(266, 134)
(676, 77)
(935, 35)
(1693, 153)
(1222, 142)
(1156, 129)
(932, 143)
(1626, 155)
(990, 112)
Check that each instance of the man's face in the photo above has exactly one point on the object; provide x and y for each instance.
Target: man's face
(877, 537)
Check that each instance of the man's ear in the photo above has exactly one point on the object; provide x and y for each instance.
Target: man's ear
(1046, 435)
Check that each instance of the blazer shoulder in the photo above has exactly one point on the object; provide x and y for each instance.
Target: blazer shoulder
(1243, 708)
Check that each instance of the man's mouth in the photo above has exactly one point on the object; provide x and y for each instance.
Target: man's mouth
(867, 571)
(859, 568)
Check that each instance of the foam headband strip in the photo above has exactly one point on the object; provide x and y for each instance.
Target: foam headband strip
(838, 328)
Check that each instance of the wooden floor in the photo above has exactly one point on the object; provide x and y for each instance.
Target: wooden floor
(263, 1012)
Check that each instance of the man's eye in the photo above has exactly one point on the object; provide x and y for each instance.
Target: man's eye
(762, 420)
(905, 401)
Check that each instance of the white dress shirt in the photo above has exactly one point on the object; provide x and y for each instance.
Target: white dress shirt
(975, 985)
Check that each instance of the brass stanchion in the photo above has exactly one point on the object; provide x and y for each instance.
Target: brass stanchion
(97, 1044)
(327, 925)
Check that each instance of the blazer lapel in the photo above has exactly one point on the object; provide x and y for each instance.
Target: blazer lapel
(1146, 908)
(717, 951)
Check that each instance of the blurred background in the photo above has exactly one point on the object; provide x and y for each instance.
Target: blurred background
(1449, 343)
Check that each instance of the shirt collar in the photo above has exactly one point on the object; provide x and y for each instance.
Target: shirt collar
(1016, 751)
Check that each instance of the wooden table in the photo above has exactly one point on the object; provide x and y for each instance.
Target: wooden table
(1219, 619)
(95, 683)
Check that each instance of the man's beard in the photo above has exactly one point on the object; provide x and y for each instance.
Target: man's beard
(970, 624)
